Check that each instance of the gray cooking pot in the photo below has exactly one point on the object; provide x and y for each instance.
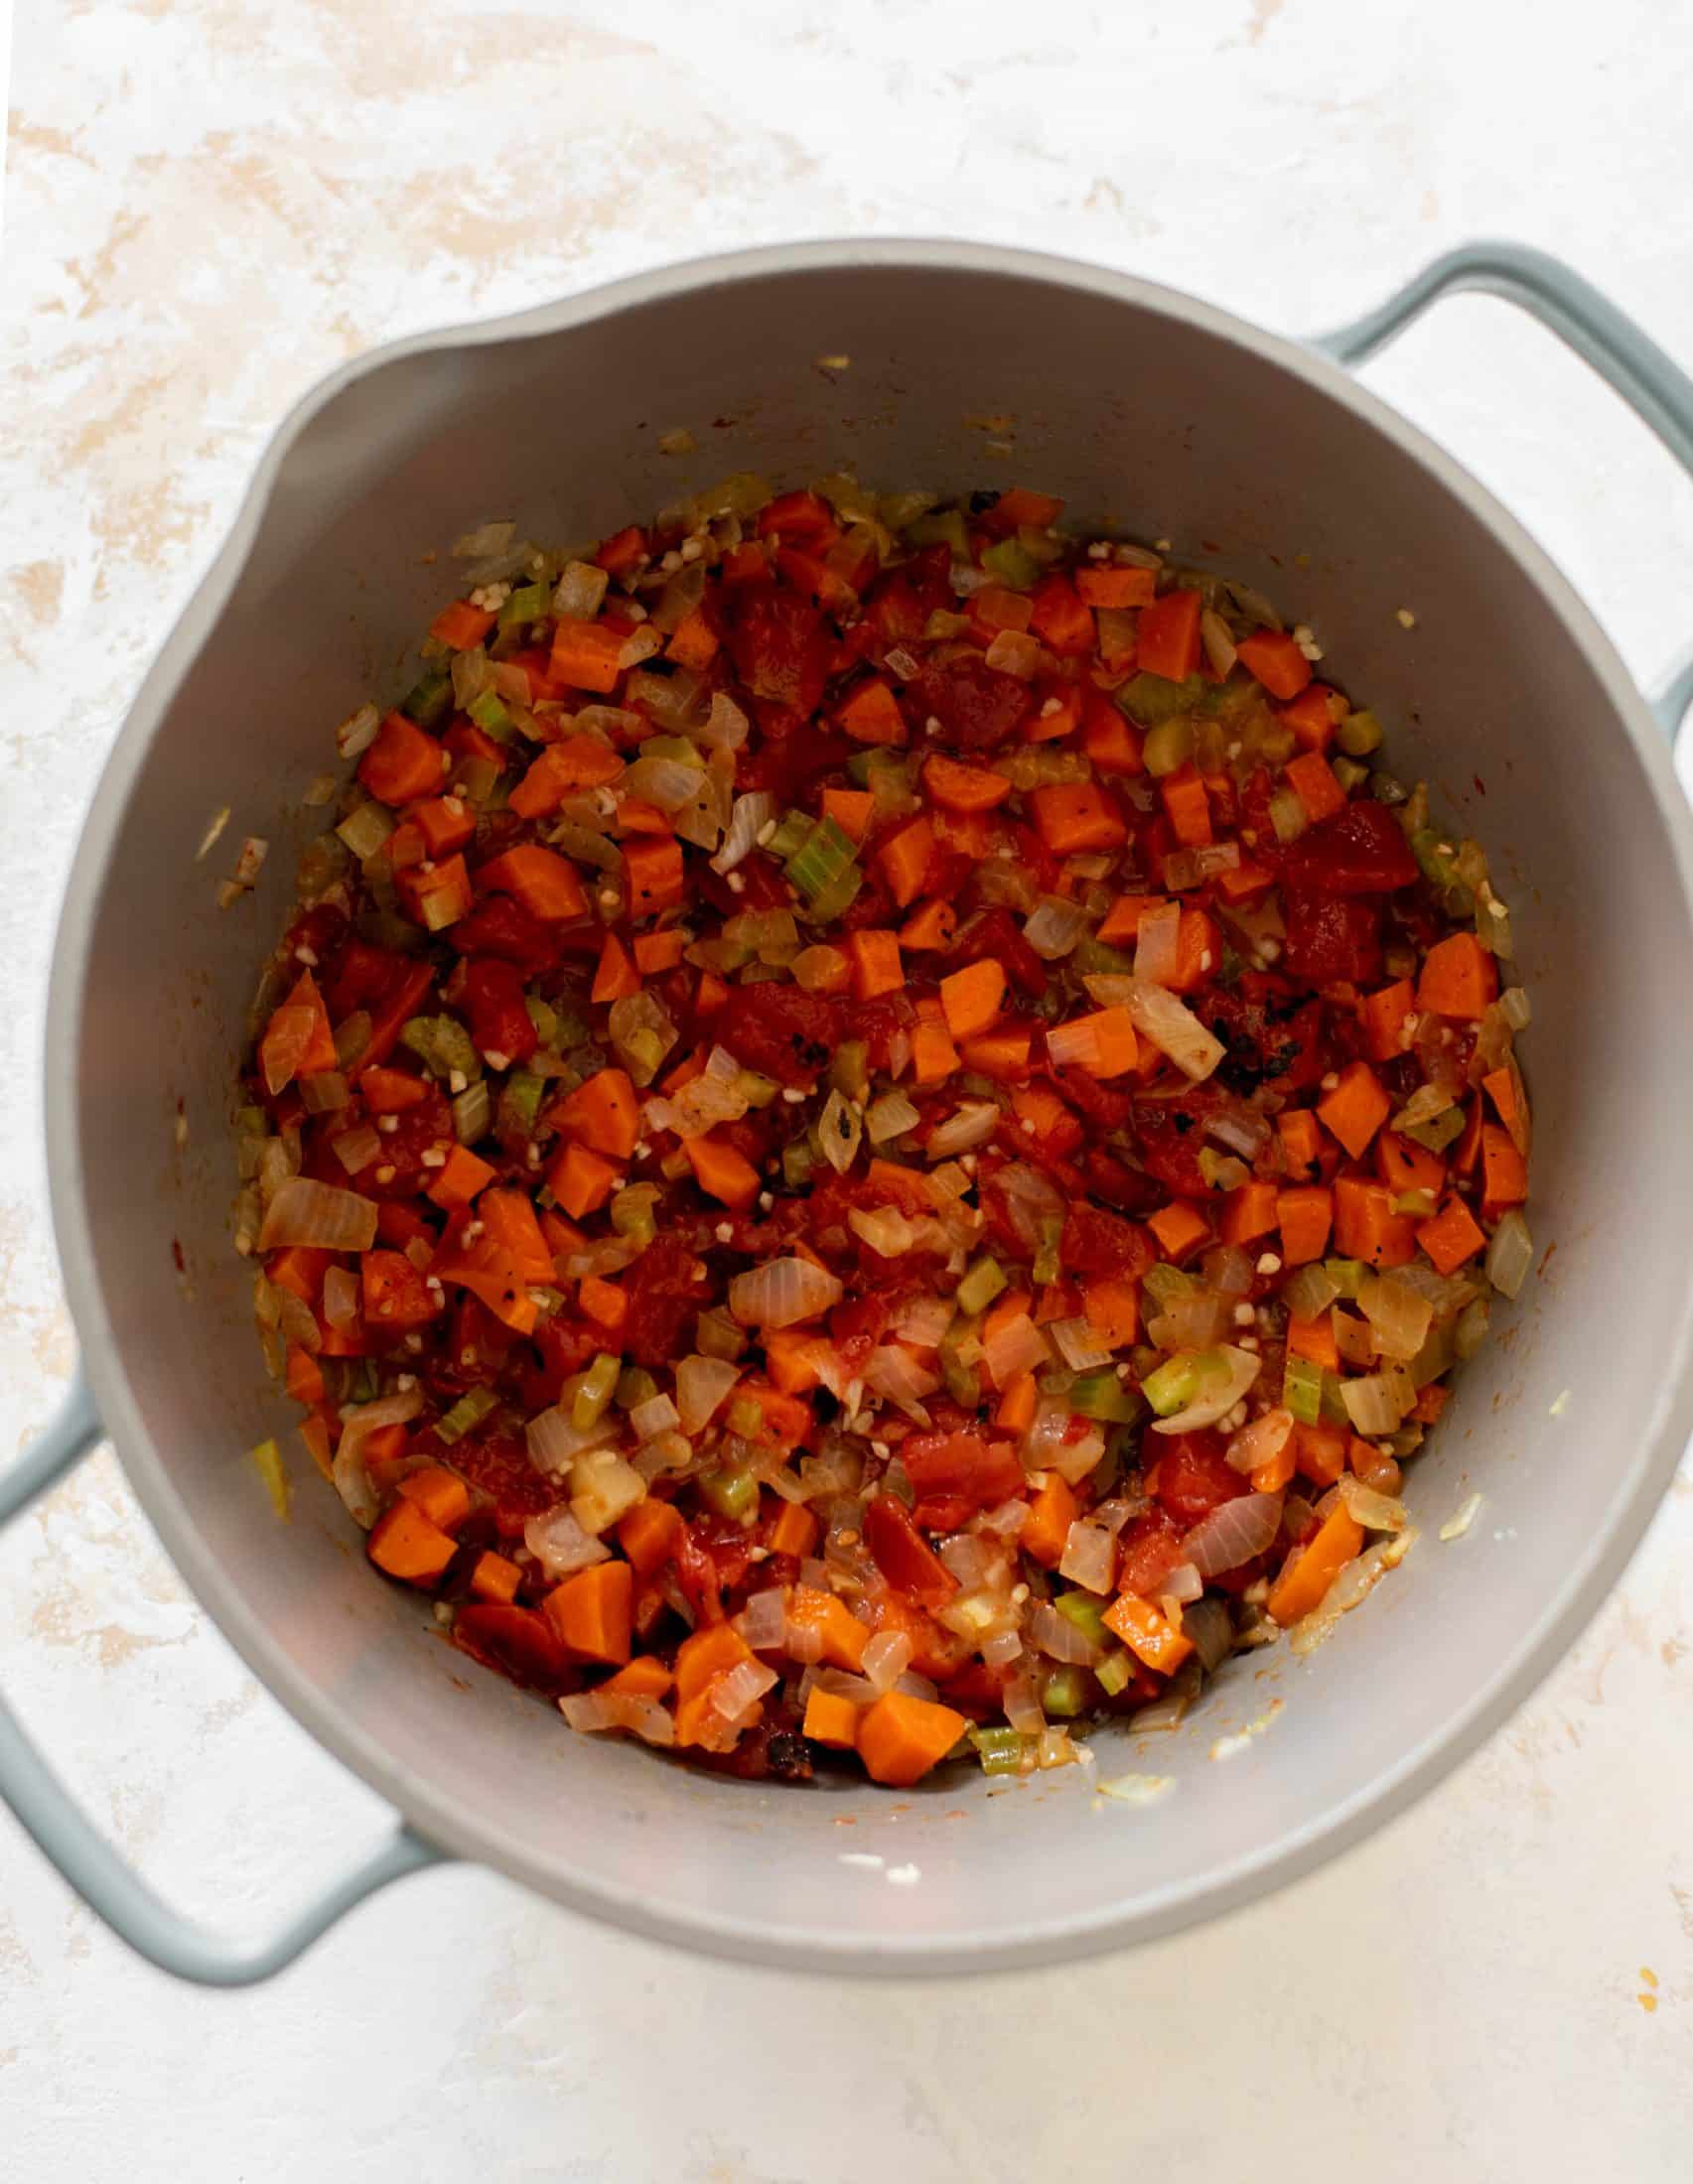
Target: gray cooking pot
(1142, 408)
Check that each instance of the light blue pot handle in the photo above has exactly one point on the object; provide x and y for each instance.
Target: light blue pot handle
(1653, 384)
(83, 1855)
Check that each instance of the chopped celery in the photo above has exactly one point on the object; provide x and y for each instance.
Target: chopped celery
(468, 1412)
(490, 716)
(1302, 1389)
(731, 1490)
(442, 1045)
(1046, 1262)
(756, 1091)
(1063, 1692)
(1152, 699)
(1168, 745)
(522, 1097)
(980, 1285)
(594, 1391)
(544, 1017)
(361, 1382)
(1350, 774)
(268, 1458)
(632, 1213)
(1420, 1204)
(1172, 1388)
(1439, 1131)
(428, 700)
(717, 1336)
(792, 830)
(1164, 1285)
(849, 1070)
(1000, 1750)
(961, 1382)
(1229, 969)
(863, 766)
(473, 1112)
(943, 527)
(1346, 1275)
(1331, 1407)
(1092, 957)
(1087, 1614)
(636, 1386)
(838, 898)
(746, 1415)
(366, 828)
(529, 603)
(1359, 735)
(1101, 1395)
(819, 864)
(1013, 565)
(1114, 1673)
(1437, 866)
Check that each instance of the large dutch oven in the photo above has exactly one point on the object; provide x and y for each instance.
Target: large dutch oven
(1143, 409)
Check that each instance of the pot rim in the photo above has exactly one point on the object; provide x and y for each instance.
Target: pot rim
(475, 1835)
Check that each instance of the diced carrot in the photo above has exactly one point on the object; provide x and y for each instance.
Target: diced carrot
(1367, 1226)
(1039, 1105)
(1505, 1089)
(438, 897)
(617, 977)
(316, 1436)
(1312, 778)
(1313, 715)
(831, 1718)
(700, 1661)
(791, 1359)
(905, 858)
(1178, 1229)
(650, 1534)
(623, 551)
(1020, 508)
(1106, 586)
(693, 642)
(1320, 1452)
(1271, 1476)
(581, 1182)
(1016, 1410)
(493, 1578)
(842, 1635)
(1466, 1148)
(1051, 1512)
(1249, 1213)
(404, 762)
(1355, 1109)
(962, 788)
(297, 1041)
(394, 1296)
(303, 1376)
(544, 882)
(871, 715)
(1308, 1574)
(994, 609)
(723, 1173)
(795, 1530)
(1001, 1054)
(1057, 716)
(1458, 978)
(1276, 660)
(1505, 1173)
(1111, 744)
(1147, 1634)
(508, 1219)
(900, 1739)
(388, 1444)
(1187, 806)
(407, 1546)
(1074, 816)
(1112, 1310)
(1166, 642)
(602, 1113)
(446, 824)
(300, 1267)
(1198, 951)
(967, 832)
(461, 626)
(587, 655)
(604, 1302)
(441, 1494)
(852, 810)
(933, 1054)
(713, 993)
(1106, 1047)
(1305, 1215)
(577, 762)
(1123, 919)
(658, 952)
(642, 1678)
(1241, 882)
(654, 870)
(589, 1611)
(1452, 1236)
(876, 964)
(388, 1091)
(1383, 1016)
(1301, 1140)
(1314, 1339)
(784, 1421)
(1403, 1164)
(971, 998)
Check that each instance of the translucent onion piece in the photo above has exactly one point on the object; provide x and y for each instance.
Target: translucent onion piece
(667, 782)
(1234, 1532)
(1374, 1402)
(763, 1622)
(1078, 1345)
(558, 1543)
(1194, 1322)
(287, 1036)
(1376, 1512)
(884, 1228)
(924, 1320)
(1015, 1346)
(318, 1215)
(887, 1657)
(1207, 1623)
(358, 1147)
(1054, 926)
(357, 732)
(702, 1385)
(602, 1488)
(1156, 958)
(1398, 1317)
(554, 1441)
(974, 1124)
(740, 1688)
(1182, 1584)
(889, 1116)
(748, 818)
(1089, 1559)
(655, 1416)
(1057, 1636)
(1219, 646)
(1162, 1019)
(340, 1298)
(840, 1131)
(324, 1093)
(1225, 1376)
(1022, 1706)
(782, 1292)
(1261, 1441)
(1511, 1254)
(969, 1558)
(359, 1422)
(894, 1373)
(725, 727)
(1243, 1130)
(1014, 652)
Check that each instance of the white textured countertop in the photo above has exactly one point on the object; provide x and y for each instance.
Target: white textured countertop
(210, 204)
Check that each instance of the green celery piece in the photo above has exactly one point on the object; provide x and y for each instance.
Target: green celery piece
(1346, 1275)
(838, 898)
(1101, 1395)
(442, 1045)
(529, 603)
(792, 829)
(1096, 958)
(1000, 1750)
(1048, 1264)
(1063, 1692)
(1013, 565)
(544, 1017)
(1302, 1389)
(1172, 1387)
(961, 1382)
(1087, 1614)
(429, 701)
(1151, 699)
(468, 1413)
(731, 1490)
(522, 1097)
(636, 1386)
(1359, 735)
(849, 1069)
(943, 527)
(594, 1391)
(797, 1161)
(1168, 745)
(980, 1285)
(821, 858)
(1114, 1673)
(490, 716)
(745, 1416)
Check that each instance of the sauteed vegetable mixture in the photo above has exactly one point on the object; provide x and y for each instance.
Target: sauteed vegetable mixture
(876, 1130)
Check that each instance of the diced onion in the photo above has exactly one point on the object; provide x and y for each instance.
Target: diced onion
(669, 783)
(554, 1441)
(359, 1422)
(889, 1116)
(764, 1620)
(560, 1545)
(1376, 1512)
(319, 1216)
(748, 817)
(1234, 1532)
(922, 1320)
(1057, 1636)
(1015, 1346)
(840, 1131)
(782, 1293)
(1225, 1376)
(1159, 1016)
(1182, 1584)
(1078, 1345)
(738, 1689)
(1373, 1404)
(1261, 1441)
(1074, 1045)
(1192, 1322)
(340, 1298)
(972, 1124)
(702, 1386)
(725, 727)
(1014, 652)
(1054, 926)
(658, 1414)
(357, 732)
(357, 1148)
(1218, 643)
(1089, 1559)
(1020, 1703)
(887, 1657)
(894, 1373)
(1511, 1254)
(1398, 1317)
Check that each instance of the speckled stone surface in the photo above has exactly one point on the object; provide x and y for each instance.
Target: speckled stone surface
(210, 204)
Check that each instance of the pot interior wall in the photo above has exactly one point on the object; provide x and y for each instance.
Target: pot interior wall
(1141, 419)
